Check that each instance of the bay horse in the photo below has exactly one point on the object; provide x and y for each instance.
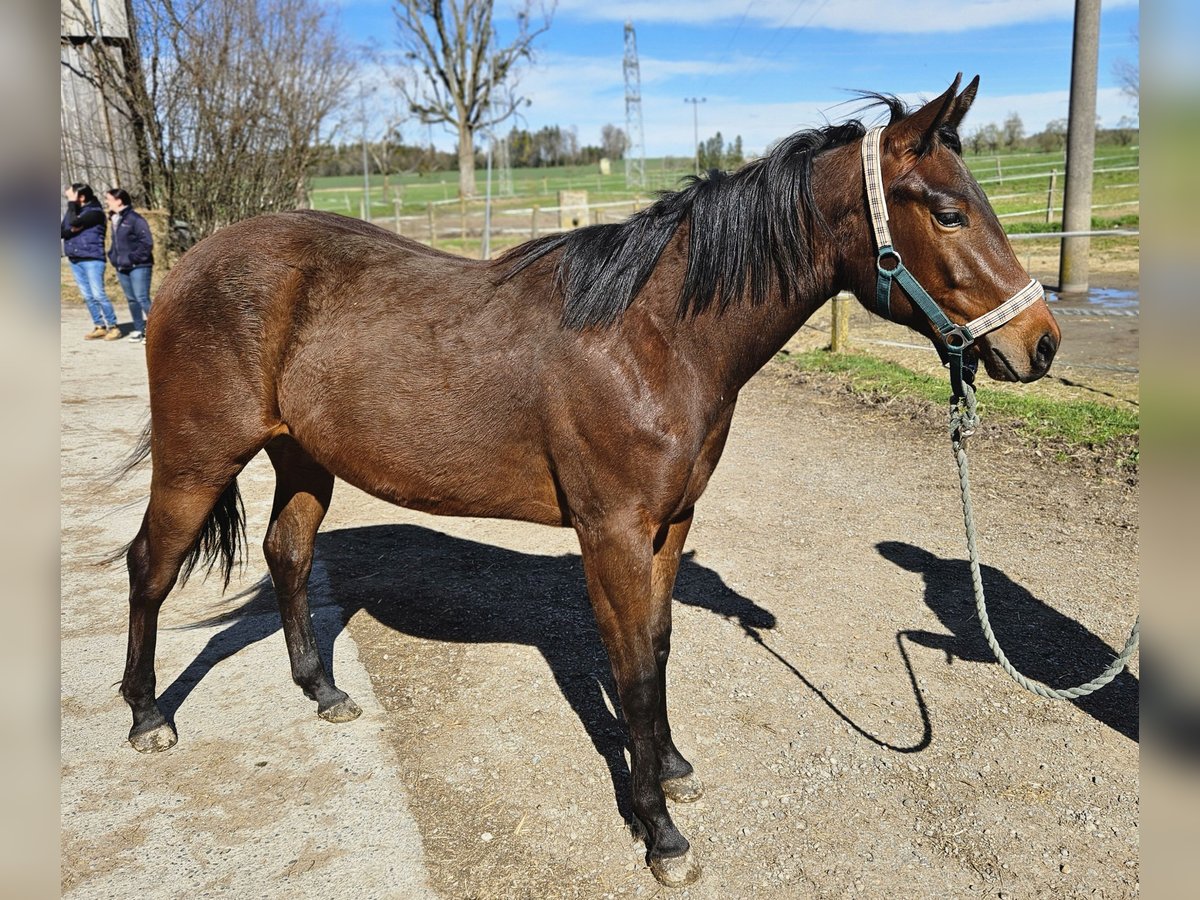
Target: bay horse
(585, 379)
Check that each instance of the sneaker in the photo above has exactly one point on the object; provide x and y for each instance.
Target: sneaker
(96, 333)
(137, 337)
(113, 334)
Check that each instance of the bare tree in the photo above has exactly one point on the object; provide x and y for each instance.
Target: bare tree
(227, 99)
(613, 142)
(1013, 131)
(990, 136)
(462, 76)
(1129, 75)
(1053, 137)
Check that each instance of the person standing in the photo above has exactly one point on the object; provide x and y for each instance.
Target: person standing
(132, 255)
(83, 228)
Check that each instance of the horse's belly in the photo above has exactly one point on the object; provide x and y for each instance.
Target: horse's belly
(444, 474)
(488, 493)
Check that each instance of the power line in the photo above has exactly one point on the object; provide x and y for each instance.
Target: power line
(635, 152)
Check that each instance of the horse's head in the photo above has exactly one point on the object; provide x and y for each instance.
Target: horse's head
(949, 238)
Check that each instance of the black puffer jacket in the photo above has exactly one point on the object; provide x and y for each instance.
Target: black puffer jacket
(83, 230)
(132, 244)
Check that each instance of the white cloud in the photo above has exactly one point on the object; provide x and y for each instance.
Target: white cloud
(669, 124)
(587, 92)
(863, 16)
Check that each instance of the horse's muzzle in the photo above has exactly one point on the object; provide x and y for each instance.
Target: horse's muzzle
(1004, 362)
(1043, 355)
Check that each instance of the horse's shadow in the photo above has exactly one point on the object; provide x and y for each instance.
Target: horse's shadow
(1040, 642)
(422, 583)
(430, 585)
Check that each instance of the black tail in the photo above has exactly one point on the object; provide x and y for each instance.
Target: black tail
(222, 540)
(139, 452)
(224, 535)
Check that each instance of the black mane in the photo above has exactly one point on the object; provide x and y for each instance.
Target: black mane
(745, 235)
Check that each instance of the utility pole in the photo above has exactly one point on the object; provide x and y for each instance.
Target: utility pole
(1081, 148)
(362, 100)
(485, 242)
(696, 101)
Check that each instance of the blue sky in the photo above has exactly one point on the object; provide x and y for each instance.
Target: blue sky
(770, 67)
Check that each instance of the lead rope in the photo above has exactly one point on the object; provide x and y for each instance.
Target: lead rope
(963, 421)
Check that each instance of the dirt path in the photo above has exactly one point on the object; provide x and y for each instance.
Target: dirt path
(828, 681)
(827, 573)
(260, 798)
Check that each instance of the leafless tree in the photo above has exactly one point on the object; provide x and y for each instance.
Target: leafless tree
(613, 141)
(227, 100)
(462, 76)
(1013, 131)
(1129, 75)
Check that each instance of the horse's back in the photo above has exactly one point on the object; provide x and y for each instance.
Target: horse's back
(406, 371)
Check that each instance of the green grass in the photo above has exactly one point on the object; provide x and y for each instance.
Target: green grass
(1019, 189)
(344, 193)
(1074, 423)
(1099, 223)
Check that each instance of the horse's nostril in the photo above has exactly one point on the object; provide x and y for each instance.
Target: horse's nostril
(1046, 348)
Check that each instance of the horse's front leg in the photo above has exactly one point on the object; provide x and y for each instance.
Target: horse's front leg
(679, 781)
(618, 560)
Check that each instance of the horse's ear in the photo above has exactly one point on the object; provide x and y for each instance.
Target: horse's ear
(915, 133)
(963, 103)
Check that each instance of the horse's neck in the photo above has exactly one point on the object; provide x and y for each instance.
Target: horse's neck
(745, 337)
(733, 344)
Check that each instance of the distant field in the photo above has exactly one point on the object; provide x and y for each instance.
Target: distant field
(1018, 185)
(344, 193)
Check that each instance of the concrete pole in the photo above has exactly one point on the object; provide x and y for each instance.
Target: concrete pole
(1081, 148)
(366, 204)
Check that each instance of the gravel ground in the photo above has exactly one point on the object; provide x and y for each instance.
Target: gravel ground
(828, 681)
(260, 798)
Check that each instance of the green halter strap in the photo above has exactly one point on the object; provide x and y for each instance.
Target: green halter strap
(956, 338)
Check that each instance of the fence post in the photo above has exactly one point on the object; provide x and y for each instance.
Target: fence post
(1050, 196)
(533, 223)
(839, 333)
(396, 207)
(462, 217)
(432, 232)
(999, 173)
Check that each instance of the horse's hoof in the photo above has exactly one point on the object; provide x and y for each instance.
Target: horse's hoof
(685, 789)
(346, 711)
(676, 871)
(155, 740)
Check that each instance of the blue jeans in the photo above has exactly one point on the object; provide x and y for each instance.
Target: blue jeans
(136, 285)
(89, 276)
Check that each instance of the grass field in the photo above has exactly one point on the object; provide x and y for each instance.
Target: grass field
(1074, 423)
(1020, 186)
(344, 193)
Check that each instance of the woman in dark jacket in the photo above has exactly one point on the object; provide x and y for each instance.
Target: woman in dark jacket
(82, 231)
(132, 255)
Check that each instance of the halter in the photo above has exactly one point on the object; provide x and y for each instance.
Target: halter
(957, 338)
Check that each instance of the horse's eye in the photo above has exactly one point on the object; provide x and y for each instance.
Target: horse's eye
(950, 219)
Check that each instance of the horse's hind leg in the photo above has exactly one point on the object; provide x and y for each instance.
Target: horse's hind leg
(302, 492)
(171, 527)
